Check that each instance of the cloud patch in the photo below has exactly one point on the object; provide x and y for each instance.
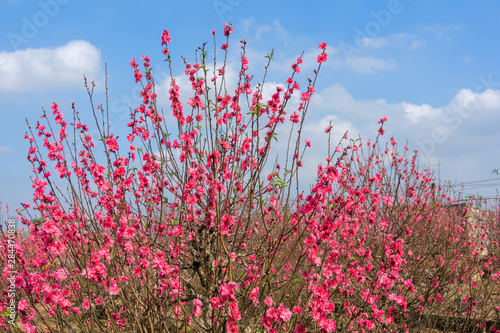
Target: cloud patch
(441, 32)
(5, 150)
(49, 68)
(465, 104)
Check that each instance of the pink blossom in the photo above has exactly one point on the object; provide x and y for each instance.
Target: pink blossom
(235, 313)
(29, 328)
(244, 61)
(129, 233)
(284, 313)
(197, 307)
(253, 296)
(165, 37)
(328, 325)
(299, 329)
(322, 58)
(113, 288)
(227, 29)
(294, 118)
(112, 144)
(384, 119)
(191, 200)
(60, 274)
(86, 303)
(22, 305)
(137, 75)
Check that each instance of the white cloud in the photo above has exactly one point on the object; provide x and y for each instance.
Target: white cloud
(336, 98)
(462, 136)
(359, 56)
(467, 113)
(337, 60)
(370, 55)
(415, 112)
(464, 104)
(394, 40)
(488, 100)
(358, 116)
(258, 29)
(369, 64)
(417, 44)
(467, 60)
(439, 31)
(5, 150)
(372, 43)
(45, 68)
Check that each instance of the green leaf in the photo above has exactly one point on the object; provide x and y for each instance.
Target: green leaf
(279, 182)
(258, 108)
(51, 264)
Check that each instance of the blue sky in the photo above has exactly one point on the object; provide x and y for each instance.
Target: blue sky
(431, 67)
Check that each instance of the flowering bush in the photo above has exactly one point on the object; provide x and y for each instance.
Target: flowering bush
(198, 233)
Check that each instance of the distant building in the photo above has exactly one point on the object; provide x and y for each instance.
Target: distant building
(482, 225)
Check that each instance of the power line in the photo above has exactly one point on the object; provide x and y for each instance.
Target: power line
(475, 182)
(472, 186)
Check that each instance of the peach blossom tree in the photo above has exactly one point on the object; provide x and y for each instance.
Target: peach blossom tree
(193, 230)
